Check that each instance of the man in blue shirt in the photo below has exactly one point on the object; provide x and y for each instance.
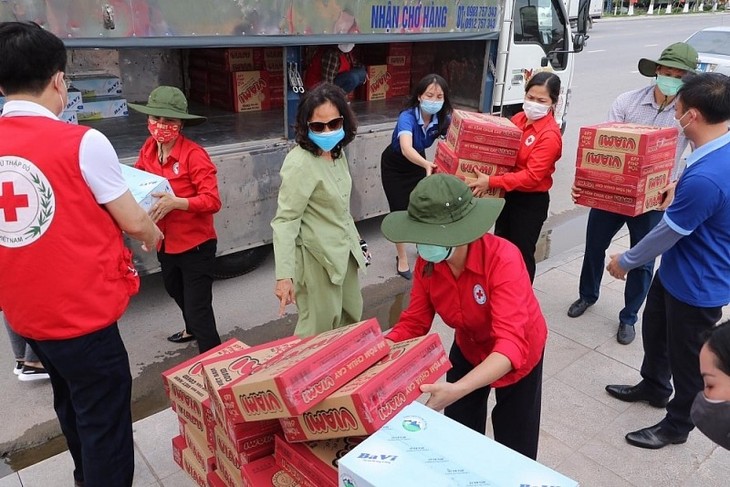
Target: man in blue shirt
(693, 282)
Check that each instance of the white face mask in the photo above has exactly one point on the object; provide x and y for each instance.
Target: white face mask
(345, 47)
(534, 110)
(60, 96)
(678, 123)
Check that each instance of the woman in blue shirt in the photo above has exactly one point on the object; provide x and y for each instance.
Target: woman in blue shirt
(426, 116)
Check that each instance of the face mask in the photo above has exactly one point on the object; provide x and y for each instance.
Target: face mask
(434, 253)
(667, 85)
(431, 107)
(60, 96)
(535, 111)
(678, 123)
(712, 418)
(327, 140)
(345, 47)
(163, 132)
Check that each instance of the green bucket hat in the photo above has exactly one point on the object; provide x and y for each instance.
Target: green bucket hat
(442, 211)
(168, 102)
(679, 55)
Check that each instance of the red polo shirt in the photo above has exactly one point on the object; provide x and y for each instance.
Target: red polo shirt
(491, 307)
(541, 146)
(192, 175)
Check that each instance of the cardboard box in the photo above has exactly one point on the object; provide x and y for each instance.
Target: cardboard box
(199, 447)
(621, 163)
(224, 446)
(69, 117)
(420, 446)
(315, 461)
(178, 446)
(384, 82)
(143, 184)
(214, 480)
(482, 128)
(242, 91)
(629, 138)
(308, 372)
(622, 185)
(400, 49)
(480, 152)
(232, 59)
(490, 193)
(368, 401)
(101, 108)
(74, 102)
(623, 205)
(292, 472)
(274, 59)
(195, 471)
(445, 158)
(95, 86)
(266, 473)
(230, 474)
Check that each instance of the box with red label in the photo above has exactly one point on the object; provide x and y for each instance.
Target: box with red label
(220, 371)
(274, 59)
(482, 128)
(233, 59)
(481, 152)
(214, 480)
(308, 372)
(198, 446)
(620, 184)
(224, 446)
(400, 49)
(314, 461)
(266, 473)
(242, 91)
(376, 86)
(178, 446)
(489, 193)
(195, 471)
(622, 163)
(616, 203)
(629, 138)
(229, 473)
(366, 403)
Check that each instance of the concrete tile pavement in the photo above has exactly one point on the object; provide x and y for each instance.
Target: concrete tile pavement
(582, 427)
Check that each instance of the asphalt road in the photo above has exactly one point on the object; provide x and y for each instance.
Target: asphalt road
(246, 307)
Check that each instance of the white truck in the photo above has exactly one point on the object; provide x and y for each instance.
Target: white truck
(486, 49)
(595, 9)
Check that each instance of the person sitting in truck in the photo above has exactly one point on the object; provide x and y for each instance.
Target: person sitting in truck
(187, 254)
(334, 64)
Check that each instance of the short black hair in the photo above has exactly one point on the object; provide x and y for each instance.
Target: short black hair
(29, 57)
(547, 79)
(319, 95)
(718, 341)
(708, 93)
(444, 115)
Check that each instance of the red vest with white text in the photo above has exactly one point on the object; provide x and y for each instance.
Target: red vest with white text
(64, 269)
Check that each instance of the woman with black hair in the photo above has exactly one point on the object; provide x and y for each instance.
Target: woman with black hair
(426, 116)
(317, 248)
(541, 145)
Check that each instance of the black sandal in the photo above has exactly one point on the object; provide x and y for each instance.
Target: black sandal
(180, 337)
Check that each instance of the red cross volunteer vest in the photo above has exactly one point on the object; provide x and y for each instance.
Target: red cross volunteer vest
(64, 269)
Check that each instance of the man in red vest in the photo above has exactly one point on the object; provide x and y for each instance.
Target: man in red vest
(66, 275)
(334, 64)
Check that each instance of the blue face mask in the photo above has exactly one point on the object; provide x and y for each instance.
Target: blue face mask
(431, 107)
(434, 253)
(327, 140)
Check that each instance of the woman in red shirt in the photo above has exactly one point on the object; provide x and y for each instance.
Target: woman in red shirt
(527, 199)
(478, 285)
(187, 254)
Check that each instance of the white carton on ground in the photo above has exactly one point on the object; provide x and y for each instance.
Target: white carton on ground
(142, 184)
(420, 446)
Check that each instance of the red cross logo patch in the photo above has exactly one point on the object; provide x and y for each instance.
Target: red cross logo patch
(480, 296)
(27, 202)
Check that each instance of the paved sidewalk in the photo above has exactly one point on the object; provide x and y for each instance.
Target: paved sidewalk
(582, 427)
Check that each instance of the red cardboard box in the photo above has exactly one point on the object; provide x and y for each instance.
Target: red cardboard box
(482, 128)
(214, 480)
(199, 447)
(400, 49)
(619, 184)
(196, 472)
(178, 446)
(308, 373)
(292, 472)
(629, 138)
(266, 473)
(445, 158)
(229, 473)
(627, 164)
(233, 59)
(242, 91)
(368, 401)
(624, 205)
(274, 59)
(315, 461)
(224, 446)
(477, 151)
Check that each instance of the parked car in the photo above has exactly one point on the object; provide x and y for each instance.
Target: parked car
(713, 46)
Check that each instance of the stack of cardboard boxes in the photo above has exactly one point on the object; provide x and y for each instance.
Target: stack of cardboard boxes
(388, 71)
(623, 167)
(240, 79)
(478, 141)
(101, 97)
(69, 113)
(334, 387)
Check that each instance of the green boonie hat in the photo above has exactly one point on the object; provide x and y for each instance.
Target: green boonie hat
(679, 55)
(168, 102)
(442, 211)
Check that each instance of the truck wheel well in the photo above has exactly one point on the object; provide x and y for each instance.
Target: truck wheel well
(240, 263)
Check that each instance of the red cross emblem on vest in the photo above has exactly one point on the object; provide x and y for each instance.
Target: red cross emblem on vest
(10, 202)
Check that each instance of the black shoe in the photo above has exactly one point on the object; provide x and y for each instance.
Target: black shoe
(180, 337)
(578, 308)
(635, 394)
(654, 437)
(407, 275)
(626, 334)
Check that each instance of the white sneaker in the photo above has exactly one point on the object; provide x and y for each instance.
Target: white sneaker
(30, 373)
(18, 367)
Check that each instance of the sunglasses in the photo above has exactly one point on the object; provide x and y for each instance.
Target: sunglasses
(334, 124)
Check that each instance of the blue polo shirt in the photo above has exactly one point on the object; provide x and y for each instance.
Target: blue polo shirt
(696, 270)
(411, 122)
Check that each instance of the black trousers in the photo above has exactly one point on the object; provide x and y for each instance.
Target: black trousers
(188, 279)
(521, 223)
(672, 333)
(92, 390)
(515, 417)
